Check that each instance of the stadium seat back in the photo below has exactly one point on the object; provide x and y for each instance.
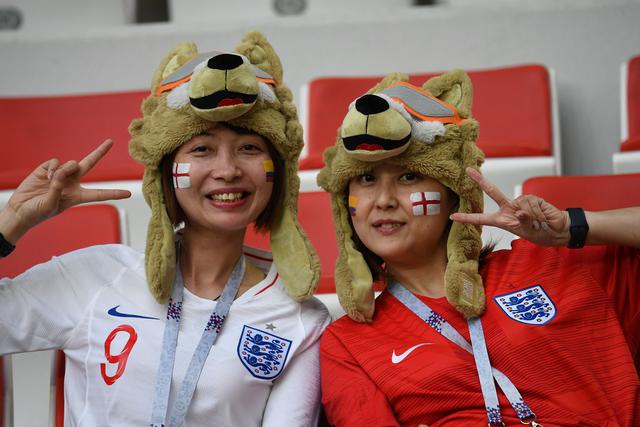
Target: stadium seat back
(36, 129)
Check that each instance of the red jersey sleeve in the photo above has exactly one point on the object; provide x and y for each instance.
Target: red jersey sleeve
(349, 396)
(617, 269)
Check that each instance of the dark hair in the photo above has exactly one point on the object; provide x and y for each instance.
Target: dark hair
(267, 217)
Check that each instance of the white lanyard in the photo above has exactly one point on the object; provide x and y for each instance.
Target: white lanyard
(170, 342)
(478, 348)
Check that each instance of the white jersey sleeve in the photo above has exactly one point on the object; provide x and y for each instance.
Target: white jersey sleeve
(41, 308)
(295, 397)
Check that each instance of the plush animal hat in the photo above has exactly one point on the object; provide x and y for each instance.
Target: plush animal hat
(428, 130)
(190, 91)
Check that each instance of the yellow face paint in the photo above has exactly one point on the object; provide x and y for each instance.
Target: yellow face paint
(269, 169)
(353, 203)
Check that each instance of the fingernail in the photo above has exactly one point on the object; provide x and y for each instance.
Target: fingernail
(536, 225)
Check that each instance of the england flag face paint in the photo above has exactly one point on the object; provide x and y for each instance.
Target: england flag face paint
(353, 203)
(181, 175)
(425, 203)
(269, 169)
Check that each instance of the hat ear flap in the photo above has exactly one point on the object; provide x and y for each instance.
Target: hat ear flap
(464, 287)
(297, 261)
(160, 254)
(354, 283)
(454, 88)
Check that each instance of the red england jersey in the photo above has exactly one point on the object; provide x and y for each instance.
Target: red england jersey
(569, 360)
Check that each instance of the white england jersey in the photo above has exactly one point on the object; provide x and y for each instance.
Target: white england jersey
(94, 304)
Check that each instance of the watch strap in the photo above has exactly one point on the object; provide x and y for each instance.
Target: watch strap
(578, 228)
(5, 247)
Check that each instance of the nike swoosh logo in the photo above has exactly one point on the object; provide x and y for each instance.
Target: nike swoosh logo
(397, 358)
(114, 312)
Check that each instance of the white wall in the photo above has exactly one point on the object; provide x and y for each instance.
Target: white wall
(61, 15)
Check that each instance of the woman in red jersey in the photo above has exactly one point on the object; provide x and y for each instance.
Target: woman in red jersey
(459, 337)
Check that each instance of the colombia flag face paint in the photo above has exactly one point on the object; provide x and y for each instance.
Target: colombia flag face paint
(353, 203)
(269, 169)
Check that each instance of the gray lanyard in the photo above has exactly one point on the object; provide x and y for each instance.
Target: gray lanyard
(478, 348)
(170, 342)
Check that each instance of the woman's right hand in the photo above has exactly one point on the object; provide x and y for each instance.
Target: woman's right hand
(49, 190)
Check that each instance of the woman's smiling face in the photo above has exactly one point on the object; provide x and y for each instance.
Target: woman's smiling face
(226, 184)
(399, 215)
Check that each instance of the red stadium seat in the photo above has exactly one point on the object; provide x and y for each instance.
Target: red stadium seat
(593, 192)
(628, 159)
(6, 392)
(596, 193)
(56, 405)
(68, 127)
(75, 228)
(36, 129)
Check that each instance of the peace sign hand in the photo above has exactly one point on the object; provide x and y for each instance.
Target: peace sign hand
(527, 216)
(51, 188)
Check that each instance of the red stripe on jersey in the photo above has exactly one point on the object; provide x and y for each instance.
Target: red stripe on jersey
(268, 286)
(258, 257)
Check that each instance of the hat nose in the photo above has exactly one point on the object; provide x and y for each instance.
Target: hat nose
(371, 104)
(225, 61)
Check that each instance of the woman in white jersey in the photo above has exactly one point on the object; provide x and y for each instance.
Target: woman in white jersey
(200, 330)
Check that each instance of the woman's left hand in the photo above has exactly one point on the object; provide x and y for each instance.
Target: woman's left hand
(527, 216)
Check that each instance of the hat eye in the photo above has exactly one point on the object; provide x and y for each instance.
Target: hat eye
(421, 104)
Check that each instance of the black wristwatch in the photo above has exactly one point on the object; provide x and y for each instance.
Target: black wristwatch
(578, 228)
(5, 247)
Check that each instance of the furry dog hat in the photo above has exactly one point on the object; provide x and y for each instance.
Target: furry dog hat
(428, 130)
(190, 91)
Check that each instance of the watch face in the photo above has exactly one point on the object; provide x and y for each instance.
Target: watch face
(10, 18)
(289, 7)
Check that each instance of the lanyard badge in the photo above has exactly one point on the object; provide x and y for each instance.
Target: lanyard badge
(486, 373)
(170, 342)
